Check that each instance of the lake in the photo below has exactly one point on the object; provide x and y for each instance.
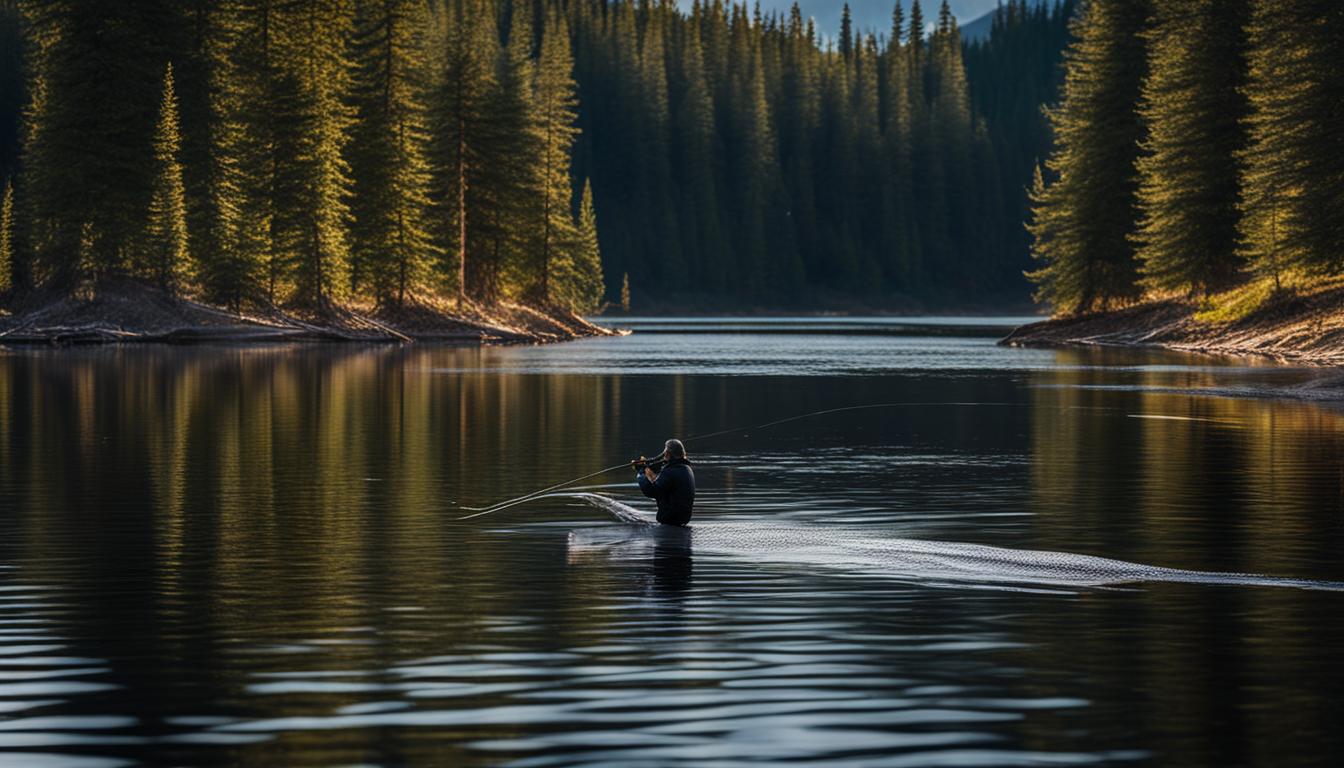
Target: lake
(245, 555)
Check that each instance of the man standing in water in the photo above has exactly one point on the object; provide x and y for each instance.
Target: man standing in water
(673, 488)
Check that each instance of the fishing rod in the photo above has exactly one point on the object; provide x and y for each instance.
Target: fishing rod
(636, 464)
(499, 506)
(536, 494)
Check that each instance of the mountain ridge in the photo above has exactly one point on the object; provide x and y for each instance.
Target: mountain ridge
(875, 15)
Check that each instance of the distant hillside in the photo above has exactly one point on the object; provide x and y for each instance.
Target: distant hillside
(872, 15)
(978, 29)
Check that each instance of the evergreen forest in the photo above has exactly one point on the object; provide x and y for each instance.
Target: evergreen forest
(567, 153)
(1199, 149)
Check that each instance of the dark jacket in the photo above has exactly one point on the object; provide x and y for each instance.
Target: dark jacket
(673, 489)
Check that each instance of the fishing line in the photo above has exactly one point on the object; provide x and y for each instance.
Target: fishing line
(515, 501)
(537, 494)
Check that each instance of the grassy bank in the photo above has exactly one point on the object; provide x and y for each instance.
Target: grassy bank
(1303, 323)
(132, 312)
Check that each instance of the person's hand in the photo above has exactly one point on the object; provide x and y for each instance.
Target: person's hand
(635, 465)
(649, 474)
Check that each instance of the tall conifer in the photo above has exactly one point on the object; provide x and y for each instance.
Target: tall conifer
(506, 179)
(947, 173)
(7, 238)
(1292, 193)
(164, 255)
(694, 166)
(556, 108)
(462, 91)
(240, 263)
(730, 149)
(88, 162)
(582, 286)
(311, 179)
(197, 61)
(915, 39)
(652, 123)
(921, 138)
(797, 122)
(1083, 223)
(867, 173)
(391, 250)
(1011, 74)
(1194, 106)
(753, 146)
(896, 137)
(12, 88)
(846, 32)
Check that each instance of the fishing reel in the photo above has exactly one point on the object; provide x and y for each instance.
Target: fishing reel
(642, 463)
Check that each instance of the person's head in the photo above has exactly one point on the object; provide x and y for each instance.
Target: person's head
(674, 449)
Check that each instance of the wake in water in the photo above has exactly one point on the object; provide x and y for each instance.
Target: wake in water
(622, 512)
(858, 552)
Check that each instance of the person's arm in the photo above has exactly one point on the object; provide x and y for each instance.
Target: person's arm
(646, 483)
(649, 482)
(663, 482)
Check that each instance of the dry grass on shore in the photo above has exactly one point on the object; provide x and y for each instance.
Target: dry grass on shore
(1304, 322)
(128, 311)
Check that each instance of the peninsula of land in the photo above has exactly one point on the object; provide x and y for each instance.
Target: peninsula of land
(1302, 327)
(132, 312)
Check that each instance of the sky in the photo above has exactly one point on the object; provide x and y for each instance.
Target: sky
(872, 14)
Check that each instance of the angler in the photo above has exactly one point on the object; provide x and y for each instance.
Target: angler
(675, 503)
(673, 487)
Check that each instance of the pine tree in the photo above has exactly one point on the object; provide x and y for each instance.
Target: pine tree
(1011, 74)
(240, 262)
(797, 123)
(582, 288)
(1292, 198)
(950, 99)
(391, 249)
(1194, 106)
(1323, 177)
(867, 173)
(460, 133)
(732, 151)
(618, 172)
(846, 33)
(694, 169)
(31, 232)
(952, 216)
(197, 64)
(752, 146)
(88, 159)
(625, 292)
(556, 108)
(12, 90)
(506, 179)
(311, 180)
(1083, 223)
(164, 255)
(15, 57)
(896, 137)
(921, 149)
(7, 239)
(652, 143)
(915, 40)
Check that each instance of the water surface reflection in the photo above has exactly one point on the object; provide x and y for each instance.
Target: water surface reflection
(247, 555)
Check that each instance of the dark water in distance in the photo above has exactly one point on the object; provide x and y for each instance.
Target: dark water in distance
(248, 555)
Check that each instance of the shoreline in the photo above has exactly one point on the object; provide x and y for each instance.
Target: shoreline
(1302, 329)
(134, 313)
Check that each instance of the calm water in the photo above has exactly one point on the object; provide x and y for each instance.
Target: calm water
(249, 555)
